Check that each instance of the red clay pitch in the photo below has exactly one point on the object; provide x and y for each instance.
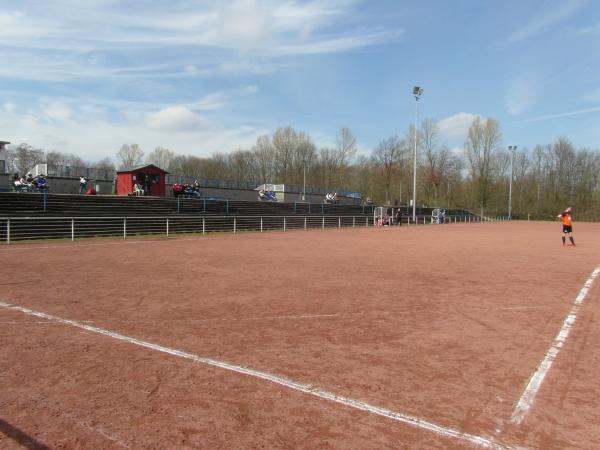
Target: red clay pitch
(441, 323)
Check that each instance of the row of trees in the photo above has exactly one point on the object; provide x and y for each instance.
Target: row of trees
(23, 157)
(545, 178)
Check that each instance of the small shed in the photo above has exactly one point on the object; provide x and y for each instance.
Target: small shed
(151, 178)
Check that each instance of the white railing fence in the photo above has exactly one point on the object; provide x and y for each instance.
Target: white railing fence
(35, 228)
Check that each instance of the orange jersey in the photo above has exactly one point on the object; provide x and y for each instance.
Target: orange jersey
(566, 219)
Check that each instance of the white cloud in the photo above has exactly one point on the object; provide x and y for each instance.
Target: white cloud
(550, 14)
(523, 91)
(87, 40)
(57, 111)
(337, 44)
(456, 126)
(174, 119)
(9, 107)
(94, 138)
(219, 99)
(244, 23)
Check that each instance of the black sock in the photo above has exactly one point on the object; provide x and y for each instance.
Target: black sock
(572, 241)
(563, 238)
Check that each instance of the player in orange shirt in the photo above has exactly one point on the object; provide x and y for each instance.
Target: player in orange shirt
(567, 223)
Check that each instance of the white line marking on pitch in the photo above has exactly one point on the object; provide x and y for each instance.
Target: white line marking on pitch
(536, 380)
(305, 388)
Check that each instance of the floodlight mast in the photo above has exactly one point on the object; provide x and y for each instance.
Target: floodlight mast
(417, 92)
(512, 149)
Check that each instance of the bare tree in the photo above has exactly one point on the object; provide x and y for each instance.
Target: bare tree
(284, 141)
(160, 157)
(386, 159)
(264, 155)
(104, 164)
(130, 155)
(24, 157)
(436, 161)
(482, 142)
(346, 152)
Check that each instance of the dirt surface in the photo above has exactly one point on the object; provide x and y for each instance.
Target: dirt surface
(441, 323)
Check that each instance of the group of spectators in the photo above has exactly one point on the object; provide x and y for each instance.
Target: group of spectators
(187, 190)
(331, 198)
(29, 183)
(267, 196)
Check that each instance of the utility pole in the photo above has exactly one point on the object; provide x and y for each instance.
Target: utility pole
(512, 149)
(417, 92)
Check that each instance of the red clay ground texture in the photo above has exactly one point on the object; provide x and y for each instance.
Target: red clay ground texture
(445, 324)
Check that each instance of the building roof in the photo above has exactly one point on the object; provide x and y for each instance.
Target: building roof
(140, 168)
(4, 142)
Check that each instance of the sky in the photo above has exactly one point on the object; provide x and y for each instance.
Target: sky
(198, 76)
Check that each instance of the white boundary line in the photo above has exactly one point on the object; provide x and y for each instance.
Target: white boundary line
(305, 388)
(536, 380)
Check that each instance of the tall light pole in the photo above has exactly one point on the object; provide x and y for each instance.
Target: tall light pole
(417, 92)
(512, 149)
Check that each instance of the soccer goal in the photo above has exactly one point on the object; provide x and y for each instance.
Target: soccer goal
(381, 216)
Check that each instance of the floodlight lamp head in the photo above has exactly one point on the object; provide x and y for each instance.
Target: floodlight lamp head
(417, 91)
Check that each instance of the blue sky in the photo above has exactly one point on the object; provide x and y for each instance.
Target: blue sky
(203, 76)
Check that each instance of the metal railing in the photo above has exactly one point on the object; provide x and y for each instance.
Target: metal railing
(181, 204)
(36, 228)
(75, 172)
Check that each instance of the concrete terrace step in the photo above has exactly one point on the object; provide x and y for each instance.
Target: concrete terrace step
(20, 204)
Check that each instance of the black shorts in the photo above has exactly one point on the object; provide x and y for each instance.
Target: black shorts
(567, 229)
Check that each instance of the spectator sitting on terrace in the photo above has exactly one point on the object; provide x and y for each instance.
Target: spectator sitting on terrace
(195, 189)
(29, 179)
(267, 196)
(331, 198)
(137, 189)
(19, 184)
(177, 189)
(91, 191)
(26, 186)
(368, 201)
(41, 183)
(197, 192)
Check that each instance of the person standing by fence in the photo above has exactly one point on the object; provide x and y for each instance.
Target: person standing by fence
(82, 185)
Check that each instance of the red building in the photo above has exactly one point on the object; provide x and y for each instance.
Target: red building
(150, 178)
